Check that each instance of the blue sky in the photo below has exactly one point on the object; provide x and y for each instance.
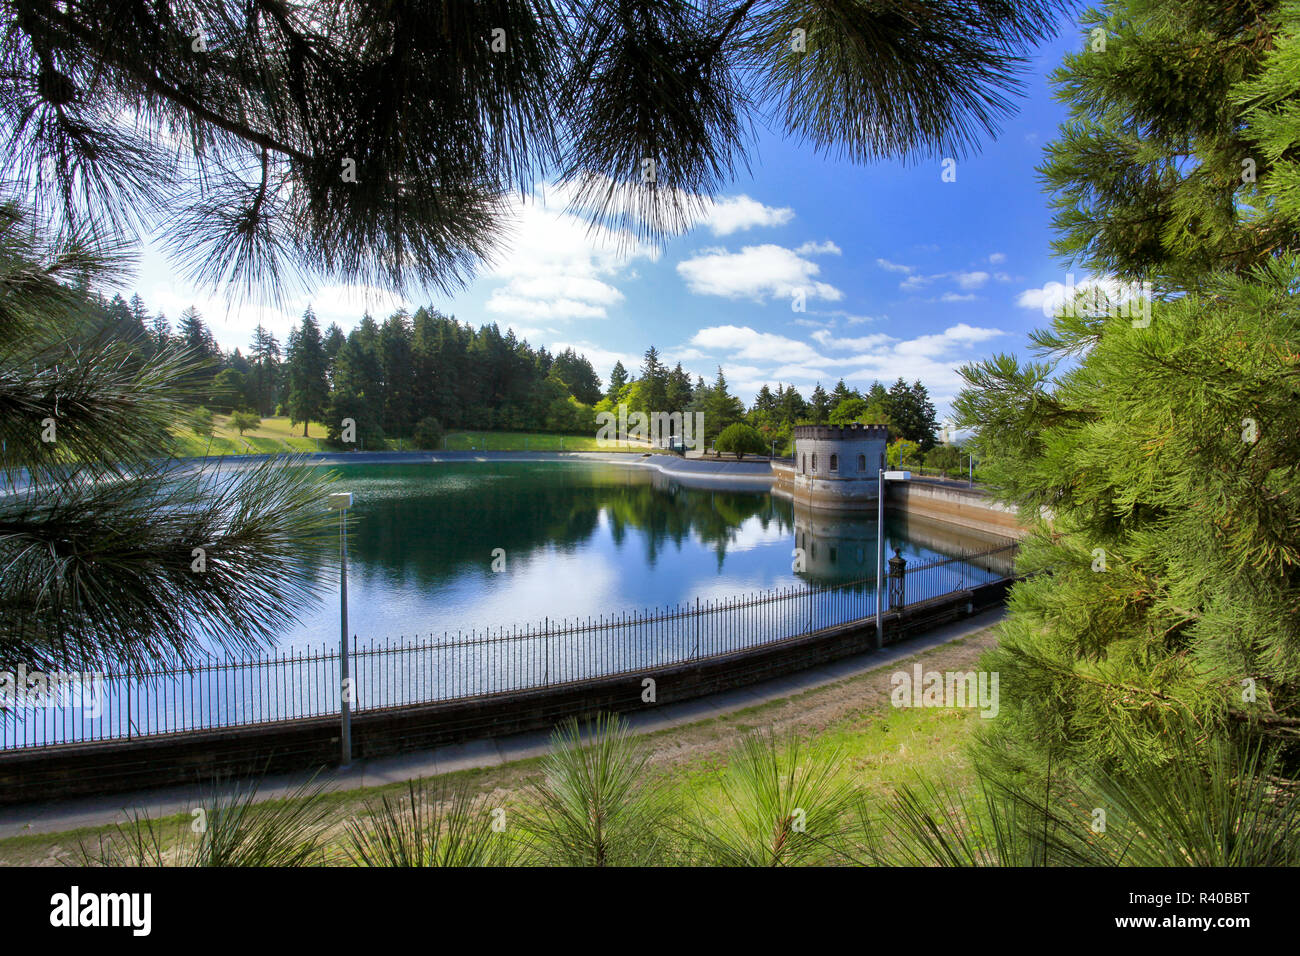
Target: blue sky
(902, 273)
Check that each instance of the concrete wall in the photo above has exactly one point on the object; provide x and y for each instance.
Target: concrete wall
(954, 505)
(52, 773)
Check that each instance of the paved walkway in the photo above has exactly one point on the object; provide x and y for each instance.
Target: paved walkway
(101, 811)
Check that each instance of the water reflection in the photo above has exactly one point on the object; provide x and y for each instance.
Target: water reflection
(580, 539)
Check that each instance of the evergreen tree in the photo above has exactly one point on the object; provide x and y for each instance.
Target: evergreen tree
(578, 376)
(265, 352)
(1157, 175)
(1155, 460)
(820, 405)
(381, 138)
(399, 415)
(721, 408)
(1163, 466)
(617, 379)
(194, 335)
(793, 407)
(308, 387)
(334, 339)
(654, 379)
(842, 393)
(911, 414)
(161, 331)
(98, 544)
(679, 390)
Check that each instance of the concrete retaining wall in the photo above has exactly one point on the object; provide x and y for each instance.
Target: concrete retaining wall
(954, 505)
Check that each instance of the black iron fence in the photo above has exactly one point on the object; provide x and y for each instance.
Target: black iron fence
(278, 686)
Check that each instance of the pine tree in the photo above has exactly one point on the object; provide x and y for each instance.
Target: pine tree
(1155, 457)
(340, 125)
(1163, 466)
(99, 534)
(1156, 172)
(820, 405)
(161, 331)
(721, 408)
(265, 352)
(617, 379)
(679, 390)
(308, 387)
(654, 379)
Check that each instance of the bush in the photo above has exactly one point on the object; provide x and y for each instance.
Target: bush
(201, 422)
(945, 458)
(740, 439)
(902, 452)
(244, 422)
(428, 433)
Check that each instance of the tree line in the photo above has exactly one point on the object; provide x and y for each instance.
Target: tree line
(417, 375)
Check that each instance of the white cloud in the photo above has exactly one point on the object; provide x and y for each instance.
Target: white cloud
(557, 266)
(957, 297)
(503, 303)
(744, 342)
(756, 272)
(933, 358)
(860, 344)
(943, 343)
(997, 258)
(826, 248)
(737, 213)
(970, 280)
(233, 324)
(893, 266)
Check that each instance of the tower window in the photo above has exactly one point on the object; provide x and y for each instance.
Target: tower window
(835, 462)
(862, 463)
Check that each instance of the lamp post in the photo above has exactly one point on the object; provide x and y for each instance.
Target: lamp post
(882, 476)
(341, 502)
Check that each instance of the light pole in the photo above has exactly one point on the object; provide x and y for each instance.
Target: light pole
(341, 502)
(882, 476)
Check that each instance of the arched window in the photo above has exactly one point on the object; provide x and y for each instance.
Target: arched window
(814, 461)
(862, 463)
(882, 459)
(803, 464)
(835, 462)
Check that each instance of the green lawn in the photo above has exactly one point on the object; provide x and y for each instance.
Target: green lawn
(525, 441)
(276, 435)
(273, 436)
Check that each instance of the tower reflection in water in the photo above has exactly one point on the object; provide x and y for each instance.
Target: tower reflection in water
(840, 547)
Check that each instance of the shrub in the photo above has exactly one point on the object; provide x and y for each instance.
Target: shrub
(244, 421)
(741, 439)
(944, 458)
(428, 433)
